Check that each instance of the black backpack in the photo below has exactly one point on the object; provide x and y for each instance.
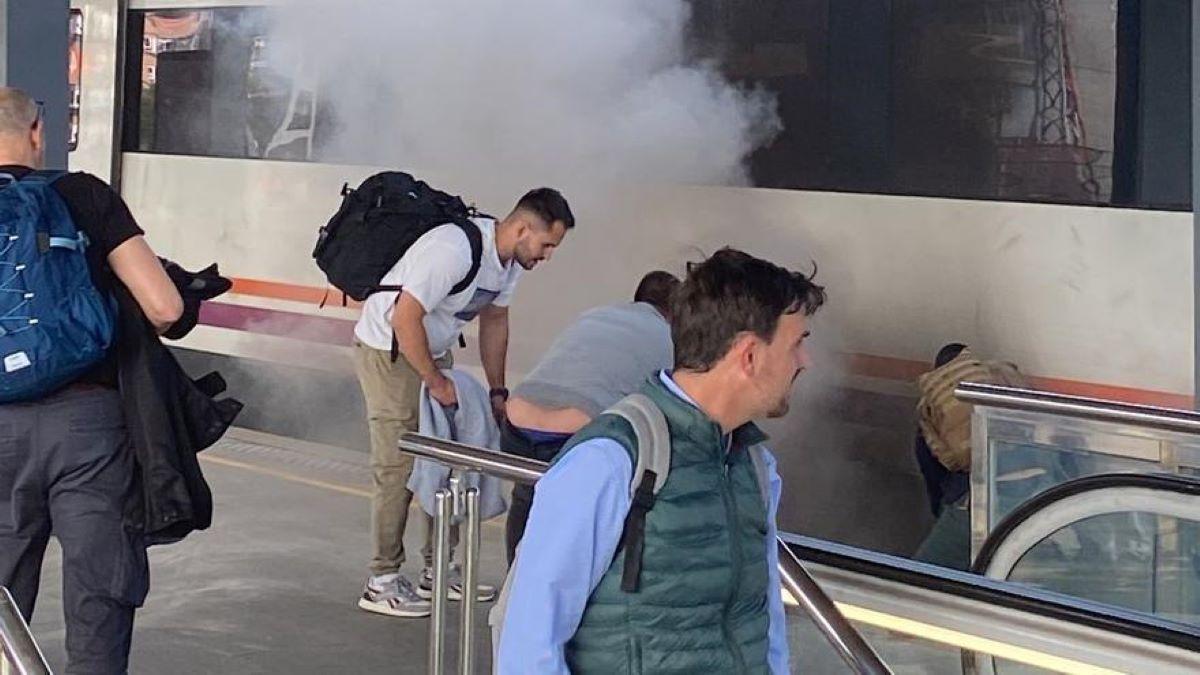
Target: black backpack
(378, 223)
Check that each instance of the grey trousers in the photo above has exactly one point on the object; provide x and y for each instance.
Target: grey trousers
(67, 469)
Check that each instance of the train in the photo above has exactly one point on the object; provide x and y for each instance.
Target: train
(1087, 299)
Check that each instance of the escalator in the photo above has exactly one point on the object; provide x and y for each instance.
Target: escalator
(1085, 524)
(1097, 575)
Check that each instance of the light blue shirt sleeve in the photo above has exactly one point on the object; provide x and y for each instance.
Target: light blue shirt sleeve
(777, 640)
(574, 528)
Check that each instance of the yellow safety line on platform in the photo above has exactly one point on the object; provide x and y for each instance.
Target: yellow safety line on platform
(286, 475)
(312, 482)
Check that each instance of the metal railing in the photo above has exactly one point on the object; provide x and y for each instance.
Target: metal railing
(844, 638)
(21, 654)
(1078, 407)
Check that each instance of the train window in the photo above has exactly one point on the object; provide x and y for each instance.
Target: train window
(205, 86)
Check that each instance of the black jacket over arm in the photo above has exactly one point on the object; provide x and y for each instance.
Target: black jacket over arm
(170, 418)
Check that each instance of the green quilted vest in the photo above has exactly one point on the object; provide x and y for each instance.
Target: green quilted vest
(702, 605)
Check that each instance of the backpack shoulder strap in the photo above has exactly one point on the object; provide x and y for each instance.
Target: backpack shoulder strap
(649, 475)
(475, 239)
(41, 181)
(653, 439)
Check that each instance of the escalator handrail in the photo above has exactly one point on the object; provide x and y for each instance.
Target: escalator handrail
(844, 638)
(848, 642)
(1152, 481)
(967, 585)
(1079, 407)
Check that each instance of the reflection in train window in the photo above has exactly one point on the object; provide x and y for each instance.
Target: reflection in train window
(993, 99)
(207, 85)
(74, 66)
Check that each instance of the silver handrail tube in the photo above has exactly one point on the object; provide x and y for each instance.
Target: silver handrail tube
(20, 650)
(470, 582)
(441, 567)
(470, 458)
(846, 640)
(1078, 407)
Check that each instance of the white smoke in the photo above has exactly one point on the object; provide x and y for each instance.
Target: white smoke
(545, 89)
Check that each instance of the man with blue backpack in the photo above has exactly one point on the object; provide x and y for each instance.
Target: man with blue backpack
(67, 467)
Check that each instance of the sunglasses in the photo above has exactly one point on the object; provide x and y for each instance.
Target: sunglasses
(41, 112)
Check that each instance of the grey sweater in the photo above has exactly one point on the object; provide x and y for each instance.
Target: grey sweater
(605, 355)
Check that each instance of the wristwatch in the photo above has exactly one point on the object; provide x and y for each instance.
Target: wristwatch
(498, 391)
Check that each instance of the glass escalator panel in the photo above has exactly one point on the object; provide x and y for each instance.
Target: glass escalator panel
(1020, 454)
(1136, 560)
(1029, 453)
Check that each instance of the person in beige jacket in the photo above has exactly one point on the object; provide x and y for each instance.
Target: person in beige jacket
(943, 448)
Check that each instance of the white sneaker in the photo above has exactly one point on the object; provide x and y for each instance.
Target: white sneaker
(394, 598)
(483, 592)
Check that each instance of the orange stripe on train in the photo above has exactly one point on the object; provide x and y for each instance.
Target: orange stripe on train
(883, 367)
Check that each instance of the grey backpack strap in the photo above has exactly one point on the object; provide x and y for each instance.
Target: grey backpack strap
(653, 439)
(649, 475)
(757, 453)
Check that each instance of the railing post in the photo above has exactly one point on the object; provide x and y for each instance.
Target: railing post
(441, 569)
(470, 583)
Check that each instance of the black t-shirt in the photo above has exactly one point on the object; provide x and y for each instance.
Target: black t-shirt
(101, 214)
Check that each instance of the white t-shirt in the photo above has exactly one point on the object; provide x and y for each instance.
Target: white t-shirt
(429, 269)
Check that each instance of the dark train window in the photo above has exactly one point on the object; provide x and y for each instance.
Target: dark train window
(202, 84)
(1026, 100)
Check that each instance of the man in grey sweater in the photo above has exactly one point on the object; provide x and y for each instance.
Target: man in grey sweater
(605, 355)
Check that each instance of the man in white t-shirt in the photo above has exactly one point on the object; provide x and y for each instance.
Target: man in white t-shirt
(425, 320)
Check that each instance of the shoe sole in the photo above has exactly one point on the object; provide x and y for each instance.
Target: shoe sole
(377, 608)
(454, 595)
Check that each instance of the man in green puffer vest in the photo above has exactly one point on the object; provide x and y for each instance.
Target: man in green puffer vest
(700, 593)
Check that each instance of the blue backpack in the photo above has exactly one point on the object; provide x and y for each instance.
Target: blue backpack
(54, 324)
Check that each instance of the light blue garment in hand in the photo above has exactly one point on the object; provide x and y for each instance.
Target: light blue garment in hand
(470, 422)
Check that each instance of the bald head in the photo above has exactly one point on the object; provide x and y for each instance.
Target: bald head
(20, 129)
(18, 112)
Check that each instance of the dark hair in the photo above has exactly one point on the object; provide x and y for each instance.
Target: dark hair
(731, 293)
(549, 205)
(656, 289)
(948, 353)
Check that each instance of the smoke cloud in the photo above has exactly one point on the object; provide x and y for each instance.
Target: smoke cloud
(546, 89)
